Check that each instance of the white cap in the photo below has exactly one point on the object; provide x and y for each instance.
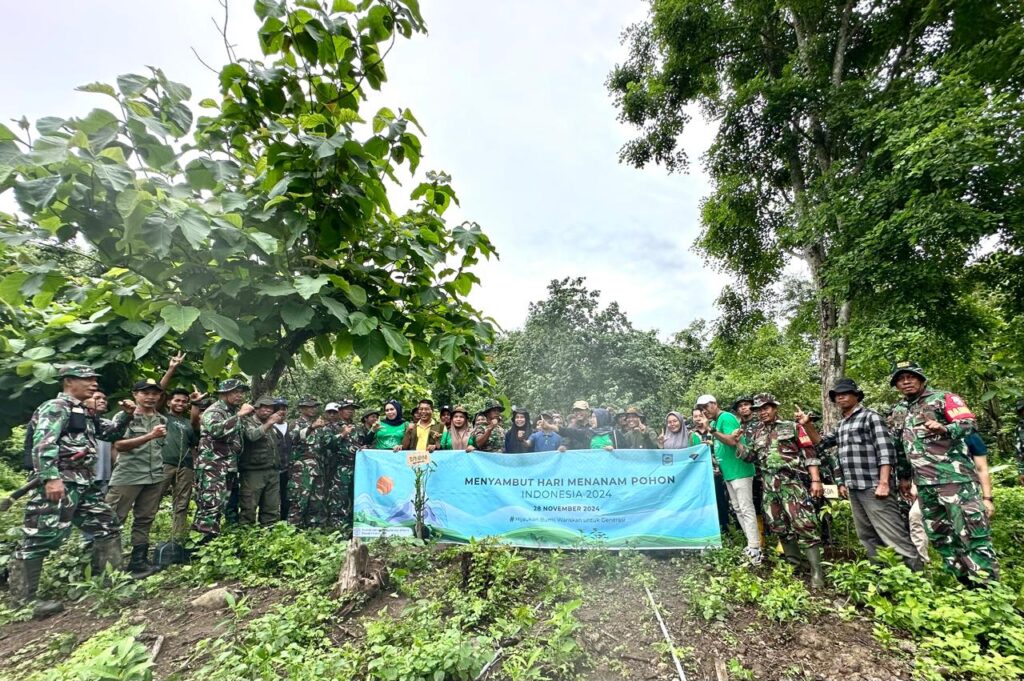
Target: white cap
(706, 399)
(331, 406)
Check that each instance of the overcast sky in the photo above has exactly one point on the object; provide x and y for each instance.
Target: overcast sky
(512, 99)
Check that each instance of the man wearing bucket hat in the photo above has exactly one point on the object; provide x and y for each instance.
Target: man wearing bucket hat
(490, 436)
(304, 476)
(867, 456)
(220, 443)
(953, 488)
(789, 512)
(63, 448)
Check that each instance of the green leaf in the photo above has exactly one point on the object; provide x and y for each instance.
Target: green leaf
(296, 315)
(309, 286)
(336, 308)
(447, 348)
(37, 194)
(39, 352)
(357, 294)
(343, 6)
(10, 288)
(371, 348)
(195, 227)
(178, 317)
(6, 134)
(266, 242)
(225, 327)
(257, 361)
(117, 176)
(360, 325)
(150, 339)
(395, 340)
(276, 288)
(132, 84)
(98, 88)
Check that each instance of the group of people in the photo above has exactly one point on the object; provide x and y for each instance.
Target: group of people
(248, 463)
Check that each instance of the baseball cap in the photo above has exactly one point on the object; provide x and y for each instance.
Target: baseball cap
(706, 399)
(581, 404)
(77, 371)
(264, 401)
(147, 384)
(331, 406)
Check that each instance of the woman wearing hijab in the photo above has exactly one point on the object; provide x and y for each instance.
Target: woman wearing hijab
(456, 436)
(517, 439)
(675, 436)
(391, 428)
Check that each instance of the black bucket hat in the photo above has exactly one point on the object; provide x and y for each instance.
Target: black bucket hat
(845, 385)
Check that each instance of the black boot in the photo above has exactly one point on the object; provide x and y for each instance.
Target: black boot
(24, 583)
(106, 552)
(139, 566)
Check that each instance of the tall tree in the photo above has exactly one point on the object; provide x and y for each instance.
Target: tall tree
(875, 141)
(244, 234)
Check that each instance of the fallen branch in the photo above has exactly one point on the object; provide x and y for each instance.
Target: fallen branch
(487, 667)
(664, 632)
(156, 648)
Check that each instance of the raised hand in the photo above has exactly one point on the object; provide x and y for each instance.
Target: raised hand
(176, 361)
(800, 417)
(196, 395)
(158, 432)
(246, 409)
(127, 406)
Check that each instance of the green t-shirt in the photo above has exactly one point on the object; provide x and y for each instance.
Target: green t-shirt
(180, 440)
(601, 441)
(389, 437)
(732, 468)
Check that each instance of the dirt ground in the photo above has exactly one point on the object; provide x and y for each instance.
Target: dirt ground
(620, 633)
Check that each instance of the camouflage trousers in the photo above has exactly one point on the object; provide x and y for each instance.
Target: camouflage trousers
(305, 494)
(956, 524)
(213, 487)
(48, 525)
(789, 511)
(339, 498)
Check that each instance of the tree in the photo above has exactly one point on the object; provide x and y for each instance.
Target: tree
(246, 234)
(877, 142)
(570, 349)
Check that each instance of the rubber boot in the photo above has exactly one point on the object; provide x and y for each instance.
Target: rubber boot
(106, 551)
(24, 583)
(817, 575)
(139, 565)
(791, 551)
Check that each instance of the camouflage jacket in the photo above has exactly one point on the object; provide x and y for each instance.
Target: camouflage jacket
(1020, 447)
(298, 447)
(495, 443)
(220, 433)
(330, 445)
(781, 451)
(64, 436)
(636, 439)
(935, 459)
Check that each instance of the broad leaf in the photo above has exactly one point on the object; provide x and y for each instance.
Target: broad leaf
(146, 343)
(179, 318)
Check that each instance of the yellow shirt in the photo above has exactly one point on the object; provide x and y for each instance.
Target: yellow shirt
(422, 437)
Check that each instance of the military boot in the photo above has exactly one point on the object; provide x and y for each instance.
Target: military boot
(24, 583)
(791, 551)
(139, 565)
(817, 574)
(106, 551)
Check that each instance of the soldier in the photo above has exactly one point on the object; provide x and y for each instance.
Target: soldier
(335, 445)
(1020, 441)
(866, 457)
(64, 438)
(259, 464)
(579, 423)
(789, 512)
(138, 479)
(637, 435)
(954, 490)
(490, 436)
(220, 443)
(743, 407)
(305, 478)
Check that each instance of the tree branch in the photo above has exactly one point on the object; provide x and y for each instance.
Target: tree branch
(841, 43)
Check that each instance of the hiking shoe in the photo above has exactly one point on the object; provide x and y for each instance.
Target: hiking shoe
(754, 555)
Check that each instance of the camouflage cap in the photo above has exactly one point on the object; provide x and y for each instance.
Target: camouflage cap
(372, 412)
(348, 403)
(231, 385)
(491, 405)
(906, 367)
(309, 401)
(77, 371)
(264, 401)
(764, 399)
(633, 411)
(740, 400)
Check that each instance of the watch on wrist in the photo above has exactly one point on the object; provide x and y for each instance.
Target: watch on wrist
(988, 498)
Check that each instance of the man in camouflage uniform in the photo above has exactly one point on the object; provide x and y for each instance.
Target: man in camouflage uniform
(489, 436)
(64, 435)
(305, 477)
(336, 444)
(780, 455)
(1020, 441)
(220, 443)
(954, 490)
(743, 407)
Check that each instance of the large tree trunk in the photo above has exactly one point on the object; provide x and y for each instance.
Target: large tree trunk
(833, 338)
(290, 344)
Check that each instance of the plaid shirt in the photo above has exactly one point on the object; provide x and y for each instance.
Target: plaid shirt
(864, 446)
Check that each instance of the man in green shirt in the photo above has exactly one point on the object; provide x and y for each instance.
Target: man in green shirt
(179, 469)
(259, 465)
(137, 482)
(727, 432)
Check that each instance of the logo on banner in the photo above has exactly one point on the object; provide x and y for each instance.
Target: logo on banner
(413, 459)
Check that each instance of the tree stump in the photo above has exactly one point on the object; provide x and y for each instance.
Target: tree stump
(360, 575)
